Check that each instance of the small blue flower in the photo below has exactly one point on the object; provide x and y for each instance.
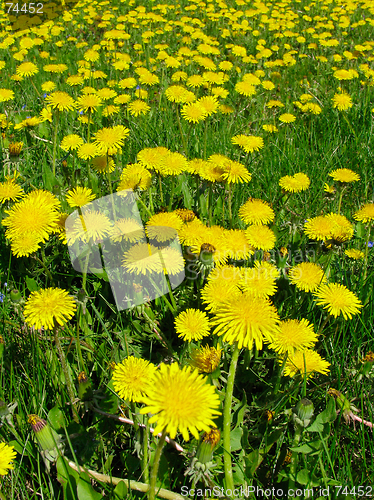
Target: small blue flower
(45, 95)
(24, 106)
(2, 297)
(371, 244)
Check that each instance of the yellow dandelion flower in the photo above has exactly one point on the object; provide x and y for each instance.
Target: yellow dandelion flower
(79, 196)
(132, 377)
(48, 308)
(256, 212)
(293, 335)
(247, 320)
(192, 324)
(260, 237)
(306, 362)
(307, 276)
(191, 409)
(337, 299)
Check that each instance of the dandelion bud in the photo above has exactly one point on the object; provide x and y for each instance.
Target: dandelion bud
(15, 296)
(207, 446)
(303, 412)
(206, 255)
(47, 438)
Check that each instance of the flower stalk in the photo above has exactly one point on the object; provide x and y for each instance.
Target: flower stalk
(227, 419)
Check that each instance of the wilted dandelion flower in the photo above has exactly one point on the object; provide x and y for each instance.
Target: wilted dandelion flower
(337, 299)
(295, 183)
(7, 455)
(306, 362)
(256, 211)
(48, 308)
(365, 214)
(344, 175)
(246, 319)
(132, 377)
(206, 359)
(248, 143)
(307, 276)
(293, 335)
(192, 324)
(342, 101)
(181, 399)
(354, 253)
(79, 196)
(260, 237)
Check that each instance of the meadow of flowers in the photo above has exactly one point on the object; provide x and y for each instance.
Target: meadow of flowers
(232, 143)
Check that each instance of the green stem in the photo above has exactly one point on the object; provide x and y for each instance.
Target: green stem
(279, 377)
(181, 132)
(173, 181)
(64, 366)
(366, 252)
(44, 266)
(227, 419)
(134, 417)
(85, 267)
(160, 186)
(294, 457)
(144, 206)
(78, 342)
(205, 137)
(57, 119)
(156, 463)
(230, 208)
(340, 198)
(145, 470)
